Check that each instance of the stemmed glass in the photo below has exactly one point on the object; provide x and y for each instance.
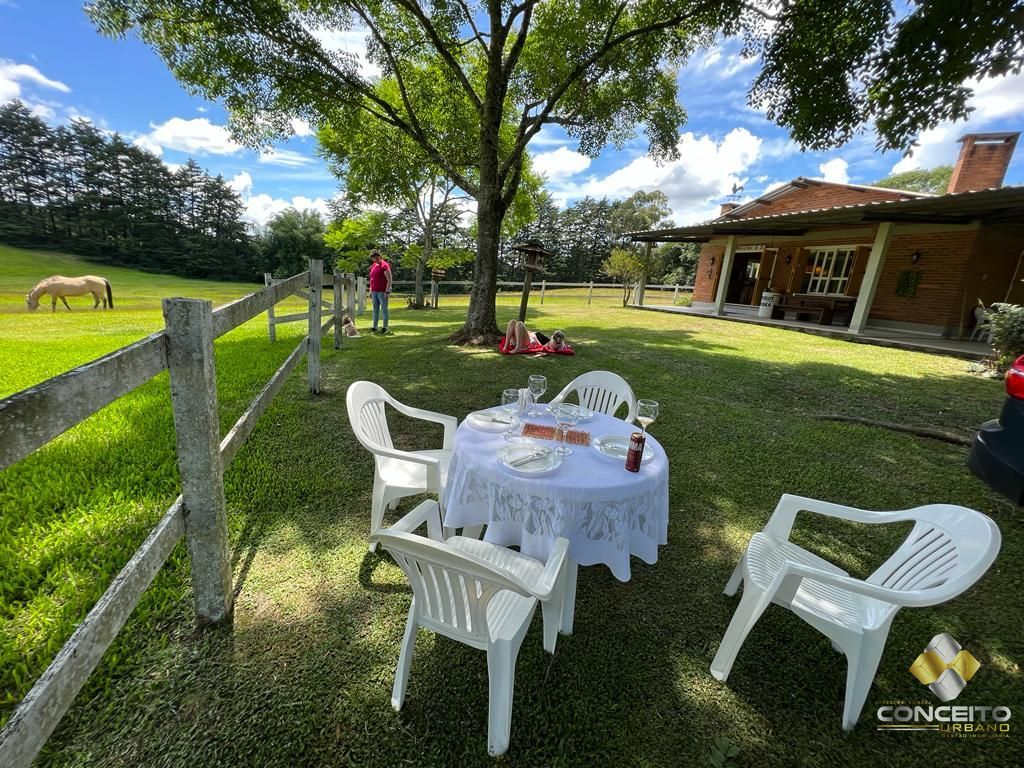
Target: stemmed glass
(566, 415)
(538, 385)
(510, 403)
(646, 413)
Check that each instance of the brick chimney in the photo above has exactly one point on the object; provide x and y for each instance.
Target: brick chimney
(984, 158)
(726, 207)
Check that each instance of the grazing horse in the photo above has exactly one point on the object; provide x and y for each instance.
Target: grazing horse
(58, 287)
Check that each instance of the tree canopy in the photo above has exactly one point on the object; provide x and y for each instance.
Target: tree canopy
(934, 181)
(597, 68)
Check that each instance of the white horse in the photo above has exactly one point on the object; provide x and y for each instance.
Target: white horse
(59, 286)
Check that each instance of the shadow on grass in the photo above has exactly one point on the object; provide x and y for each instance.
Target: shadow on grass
(304, 676)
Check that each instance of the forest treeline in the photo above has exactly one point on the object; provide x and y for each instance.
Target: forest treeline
(78, 189)
(75, 188)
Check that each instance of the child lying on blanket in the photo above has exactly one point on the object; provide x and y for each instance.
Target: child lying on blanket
(520, 341)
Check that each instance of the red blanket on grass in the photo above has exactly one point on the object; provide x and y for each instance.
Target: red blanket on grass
(536, 348)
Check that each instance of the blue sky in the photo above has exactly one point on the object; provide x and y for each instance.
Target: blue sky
(52, 58)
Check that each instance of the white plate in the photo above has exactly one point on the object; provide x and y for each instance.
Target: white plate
(545, 461)
(585, 415)
(617, 446)
(485, 420)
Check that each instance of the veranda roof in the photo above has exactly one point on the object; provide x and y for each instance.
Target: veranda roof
(1003, 205)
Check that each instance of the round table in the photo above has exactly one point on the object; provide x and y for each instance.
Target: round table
(606, 512)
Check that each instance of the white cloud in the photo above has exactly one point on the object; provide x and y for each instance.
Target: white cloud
(301, 128)
(737, 64)
(560, 163)
(13, 76)
(994, 98)
(202, 110)
(351, 42)
(705, 170)
(551, 136)
(710, 59)
(173, 167)
(285, 157)
(835, 171)
(241, 183)
(262, 207)
(197, 136)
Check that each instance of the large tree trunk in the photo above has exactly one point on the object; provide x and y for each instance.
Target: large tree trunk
(419, 281)
(481, 318)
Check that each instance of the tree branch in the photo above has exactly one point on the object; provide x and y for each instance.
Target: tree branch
(413, 7)
(477, 34)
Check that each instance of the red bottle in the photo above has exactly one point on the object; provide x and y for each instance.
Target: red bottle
(635, 452)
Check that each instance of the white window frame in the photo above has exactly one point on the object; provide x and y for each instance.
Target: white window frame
(828, 257)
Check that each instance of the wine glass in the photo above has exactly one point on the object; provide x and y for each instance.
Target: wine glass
(566, 416)
(646, 413)
(510, 405)
(538, 385)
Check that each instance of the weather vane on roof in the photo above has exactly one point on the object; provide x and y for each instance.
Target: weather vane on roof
(735, 194)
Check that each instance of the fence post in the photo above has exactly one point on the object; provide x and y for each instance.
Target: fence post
(336, 279)
(316, 279)
(350, 294)
(193, 376)
(675, 295)
(543, 284)
(590, 292)
(268, 280)
(361, 306)
(434, 293)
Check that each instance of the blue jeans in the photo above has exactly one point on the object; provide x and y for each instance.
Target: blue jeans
(380, 306)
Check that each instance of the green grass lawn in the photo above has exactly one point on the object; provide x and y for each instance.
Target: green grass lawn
(303, 677)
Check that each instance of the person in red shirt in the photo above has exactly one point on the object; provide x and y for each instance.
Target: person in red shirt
(380, 289)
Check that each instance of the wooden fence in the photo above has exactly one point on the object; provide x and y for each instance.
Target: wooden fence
(544, 285)
(33, 417)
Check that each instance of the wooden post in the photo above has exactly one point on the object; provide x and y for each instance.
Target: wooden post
(675, 295)
(361, 295)
(435, 292)
(336, 278)
(873, 271)
(543, 285)
(316, 279)
(271, 328)
(350, 294)
(590, 292)
(723, 275)
(527, 281)
(197, 429)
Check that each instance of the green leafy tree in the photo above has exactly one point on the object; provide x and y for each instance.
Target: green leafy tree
(353, 238)
(596, 69)
(934, 181)
(291, 239)
(626, 266)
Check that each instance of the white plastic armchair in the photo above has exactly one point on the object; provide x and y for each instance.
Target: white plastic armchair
(478, 594)
(982, 330)
(397, 473)
(601, 391)
(948, 550)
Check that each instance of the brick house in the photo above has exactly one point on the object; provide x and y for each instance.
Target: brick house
(855, 255)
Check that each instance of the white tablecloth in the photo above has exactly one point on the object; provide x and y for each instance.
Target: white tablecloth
(606, 512)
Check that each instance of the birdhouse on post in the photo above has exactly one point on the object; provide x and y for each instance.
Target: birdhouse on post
(533, 251)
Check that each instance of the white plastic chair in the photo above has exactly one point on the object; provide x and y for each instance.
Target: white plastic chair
(397, 473)
(601, 391)
(477, 593)
(948, 550)
(982, 324)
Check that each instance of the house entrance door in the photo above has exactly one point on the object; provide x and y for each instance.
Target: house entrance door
(743, 278)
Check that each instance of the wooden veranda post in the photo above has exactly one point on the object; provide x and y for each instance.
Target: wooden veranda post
(316, 279)
(197, 429)
(532, 251)
(336, 279)
(268, 280)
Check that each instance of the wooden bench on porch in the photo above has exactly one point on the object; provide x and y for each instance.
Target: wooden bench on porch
(819, 309)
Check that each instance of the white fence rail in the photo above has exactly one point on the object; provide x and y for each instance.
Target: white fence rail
(544, 285)
(30, 419)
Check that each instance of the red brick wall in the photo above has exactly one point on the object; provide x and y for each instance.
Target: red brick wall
(819, 195)
(997, 253)
(944, 262)
(704, 283)
(981, 166)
